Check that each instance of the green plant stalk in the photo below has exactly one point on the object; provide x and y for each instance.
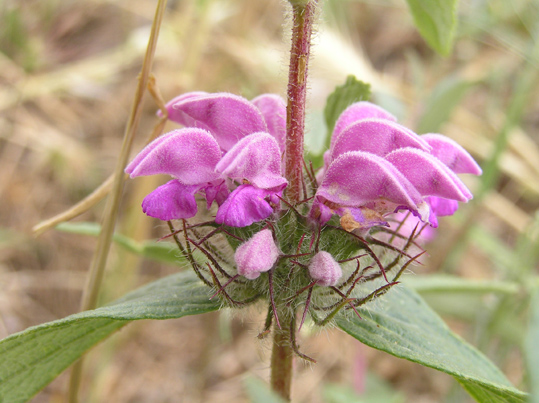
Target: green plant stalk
(303, 19)
(99, 260)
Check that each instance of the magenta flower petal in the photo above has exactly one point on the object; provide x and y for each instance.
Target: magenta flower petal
(257, 255)
(440, 207)
(255, 158)
(189, 155)
(376, 136)
(171, 201)
(178, 116)
(273, 108)
(244, 206)
(359, 111)
(227, 117)
(452, 154)
(216, 191)
(428, 174)
(324, 269)
(357, 178)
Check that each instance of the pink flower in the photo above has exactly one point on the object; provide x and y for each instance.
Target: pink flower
(375, 167)
(230, 151)
(257, 255)
(324, 269)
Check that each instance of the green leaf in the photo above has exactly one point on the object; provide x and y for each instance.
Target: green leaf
(345, 95)
(29, 360)
(403, 325)
(166, 252)
(442, 283)
(436, 20)
(531, 346)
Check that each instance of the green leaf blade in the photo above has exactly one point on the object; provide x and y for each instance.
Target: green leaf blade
(29, 360)
(436, 20)
(344, 95)
(407, 328)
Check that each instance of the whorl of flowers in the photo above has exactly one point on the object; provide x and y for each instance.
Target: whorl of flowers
(321, 252)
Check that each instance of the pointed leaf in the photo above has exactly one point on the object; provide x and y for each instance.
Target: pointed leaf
(345, 95)
(29, 360)
(436, 20)
(402, 325)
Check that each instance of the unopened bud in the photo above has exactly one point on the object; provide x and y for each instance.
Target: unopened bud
(324, 269)
(257, 255)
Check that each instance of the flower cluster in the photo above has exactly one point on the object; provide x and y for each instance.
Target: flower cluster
(230, 152)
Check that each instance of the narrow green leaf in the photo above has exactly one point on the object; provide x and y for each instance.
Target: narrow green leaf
(442, 283)
(403, 325)
(29, 360)
(436, 20)
(531, 346)
(344, 95)
(161, 251)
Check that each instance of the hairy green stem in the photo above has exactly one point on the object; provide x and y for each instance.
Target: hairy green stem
(281, 358)
(304, 15)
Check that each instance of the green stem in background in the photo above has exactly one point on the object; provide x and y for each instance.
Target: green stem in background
(97, 266)
(304, 15)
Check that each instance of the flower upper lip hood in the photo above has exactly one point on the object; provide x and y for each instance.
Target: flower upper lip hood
(226, 143)
(375, 166)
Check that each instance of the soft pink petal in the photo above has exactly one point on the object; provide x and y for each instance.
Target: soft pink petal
(216, 191)
(428, 174)
(189, 155)
(171, 201)
(452, 154)
(244, 206)
(440, 207)
(376, 136)
(257, 255)
(228, 117)
(357, 178)
(324, 269)
(177, 115)
(356, 112)
(255, 158)
(273, 108)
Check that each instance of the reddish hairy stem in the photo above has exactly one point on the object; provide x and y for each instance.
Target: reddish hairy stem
(297, 95)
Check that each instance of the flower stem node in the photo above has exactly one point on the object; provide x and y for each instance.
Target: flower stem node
(324, 269)
(257, 255)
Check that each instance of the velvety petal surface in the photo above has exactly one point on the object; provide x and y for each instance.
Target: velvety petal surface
(359, 111)
(452, 154)
(324, 269)
(227, 116)
(273, 108)
(244, 206)
(171, 201)
(440, 207)
(255, 158)
(189, 155)
(356, 178)
(257, 255)
(376, 136)
(428, 174)
(178, 116)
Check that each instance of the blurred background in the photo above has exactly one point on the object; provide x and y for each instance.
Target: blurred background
(68, 73)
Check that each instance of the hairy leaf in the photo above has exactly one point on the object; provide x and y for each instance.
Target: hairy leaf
(403, 325)
(29, 360)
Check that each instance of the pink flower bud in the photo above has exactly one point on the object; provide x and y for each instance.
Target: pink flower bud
(257, 255)
(324, 269)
